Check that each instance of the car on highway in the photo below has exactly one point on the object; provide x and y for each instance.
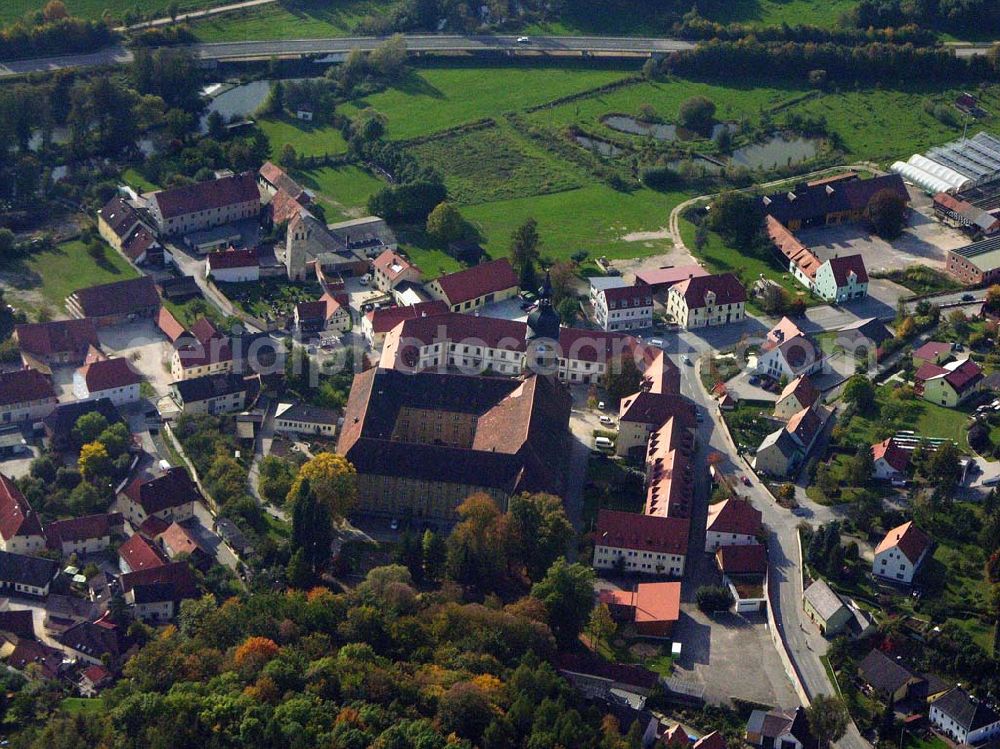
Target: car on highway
(523, 40)
(968, 297)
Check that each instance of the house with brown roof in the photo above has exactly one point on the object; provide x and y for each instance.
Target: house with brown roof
(56, 342)
(421, 443)
(233, 266)
(891, 461)
(624, 308)
(642, 413)
(20, 528)
(842, 278)
(92, 642)
(271, 179)
(123, 226)
(114, 303)
(203, 205)
(744, 572)
(707, 300)
(783, 451)
(169, 497)
(221, 393)
(948, 385)
(177, 540)
(652, 608)
(899, 555)
(139, 553)
(732, 522)
(932, 352)
(798, 394)
(90, 534)
(791, 358)
(328, 313)
(645, 544)
(377, 323)
(780, 729)
(391, 269)
(114, 379)
(661, 279)
(471, 288)
(93, 679)
(155, 594)
(25, 652)
(25, 395)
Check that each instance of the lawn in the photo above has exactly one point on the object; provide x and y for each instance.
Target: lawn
(933, 741)
(610, 485)
(75, 705)
(137, 182)
(310, 19)
(345, 189)
(922, 280)
(11, 10)
(433, 262)
(59, 272)
(594, 218)
(435, 97)
(481, 166)
(926, 419)
(306, 138)
(750, 422)
(824, 13)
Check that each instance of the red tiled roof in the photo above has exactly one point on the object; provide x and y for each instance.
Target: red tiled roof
(311, 310)
(284, 207)
(96, 674)
(24, 385)
(280, 179)
(60, 336)
(713, 740)
(204, 330)
(804, 391)
(477, 281)
(632, 296)
(669, 276)
(109, 373)
(785, 330)
(909, 539)
(202, 196)
(928, 371)
(16, 516)
(595, 345)
(674, 736)
(83, 528)
(656, 408)
(153, 526)
(384, 320)
(653, 602)
(27, 652)
(788, 245)
(173, 489)
(963, 376)
(392, 264)
(138, 242)
(805, 425)
(734, 516)
(932, 350)
(118, 298)
(474, 330)
(169, 325)
(843, 265)
(140, 554)
(177, 574)
(628, 530)
(893, 454)
(747, 559)
(233, 258)
(179, 539)
(726, 287)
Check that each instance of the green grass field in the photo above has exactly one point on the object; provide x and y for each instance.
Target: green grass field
(433, 262)
(926, 419)
(75, 705)
(11, 10)
(344, 190)
(433, 98)
(137, 182)
(306, 138)
(315, 19)
(495, 164)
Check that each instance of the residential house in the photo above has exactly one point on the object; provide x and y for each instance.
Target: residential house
(932, 352)
(826, 609)
(963, 718)
(126, 227)
(377, 323)
(91, 642)
(141, 246)
(114, 303)
(670, 471)
(659, 280)
(233, 266)
(20, 528)
(156, 594)
(777, 455)
(842, 279)
(805, 426)
(713, 740)
(585, 356)
(900, 553)
(202, 351)
(94, 679)
(203, 205)
(798, 394)
(791, 358)
(780, 729)
(177, 540)
(390, 269)
(624, 308)
(169, 497)
(642, 413)
(891, 461)
(732, 522)
(599, 284)
(597, 679)
(139, 553)
(25, 395)
(56, 342)
(304, 420)
(646, 544)
(328, 313)
(653, 608)
(863, 338)
(225, 392)
(887, 677)
(802, 262)
(471, 288)
(26, 575)
(744, 572)
(90, 534)
(27, 652)
(707, 300)
(114, 379)
(949, 385)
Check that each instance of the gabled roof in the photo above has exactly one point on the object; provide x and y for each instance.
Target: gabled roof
(109, 373)
(726, 287)
(805, 425)
(785, 330)
(92, 639)
(278, 177)
(176, 574)
(823, 599)
(169, 325)
(932, 350)
(804, 201)
(16, 516)
(59, 424)
(929, 371)
(734, 516)
(883, 673)
(617, 672)
(780, 440)
(669, 276)
(747, 559)
(20, 623)
(893, 454)
(215, 193)
(385, 319)
(802, 389)
(233, 258)
(137, 242)
(844, 265)
(629, 530)
(306, 413)
(83, 528)
(96, 674)
(656, 408)
(26, 652)
(140, 554)
(23, 386)
(179, 540)
(58, 336)
(119, 215)
(393, 265)
(713, 740)
(173, 489)
(910, 540)
(311, 311)
(799, 353)
(788, 245)
(21, 568)
(594, 345)
(963, 375)
(477, 281)
(628, 296)
(969, 713)
(118, 298)
(210, 386)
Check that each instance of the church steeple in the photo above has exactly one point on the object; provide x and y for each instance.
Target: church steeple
(544, 321)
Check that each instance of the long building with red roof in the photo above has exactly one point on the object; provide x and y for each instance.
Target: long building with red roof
(20, 528)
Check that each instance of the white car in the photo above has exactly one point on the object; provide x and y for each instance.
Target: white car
(394, 524)
(607, 420)
(523, 40)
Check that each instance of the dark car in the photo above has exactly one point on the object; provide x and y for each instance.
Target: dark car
(968, 297)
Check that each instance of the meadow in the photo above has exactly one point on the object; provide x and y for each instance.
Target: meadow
(307, 138)
(343, 190)
(11, 10)
(308, 20)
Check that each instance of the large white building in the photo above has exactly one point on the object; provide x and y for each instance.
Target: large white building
(647, 544)
(963, 718)
(732, 522)
(113, 379)
(702, 301)
(624, 308)
(899, 556)
(20, 528)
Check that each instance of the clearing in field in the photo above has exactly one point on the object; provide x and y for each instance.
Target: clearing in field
(481, 166)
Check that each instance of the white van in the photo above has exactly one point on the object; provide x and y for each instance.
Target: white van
(603, 443)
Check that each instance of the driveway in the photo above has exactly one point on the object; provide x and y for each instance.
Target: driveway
(145, 347)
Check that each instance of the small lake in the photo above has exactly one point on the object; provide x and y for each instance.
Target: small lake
(660, 130)
(776, 151)
(239, 102)
(601, 147)
(700, 164)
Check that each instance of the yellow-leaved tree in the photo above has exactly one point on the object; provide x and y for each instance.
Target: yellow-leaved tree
(332, 480)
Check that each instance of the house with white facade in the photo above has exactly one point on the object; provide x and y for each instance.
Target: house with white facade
(792, 358)
(899, 556)
(233, 266)
(963, 718)
(25, 395)
(20, 528)
(203, 205)
(624, 308)
(890, 460)
(26, 575)
(91, 534)
(169, 497)
(780, 729)
(113, 379)
(391, 269)
(646, 544)
(702, 301)
(732, 522)
(305, 420)
(842, 279)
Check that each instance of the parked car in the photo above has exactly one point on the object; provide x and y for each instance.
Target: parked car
(607, 420)
(968, 297)
(603, 443)
(746, 480)
(394, 524)
(602, 406)
(686, 359)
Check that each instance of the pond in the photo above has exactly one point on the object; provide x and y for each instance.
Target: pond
(239, 101)
(601, 147)
(777, 151)
(60, 137)
(700, 164)
(660, 130)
